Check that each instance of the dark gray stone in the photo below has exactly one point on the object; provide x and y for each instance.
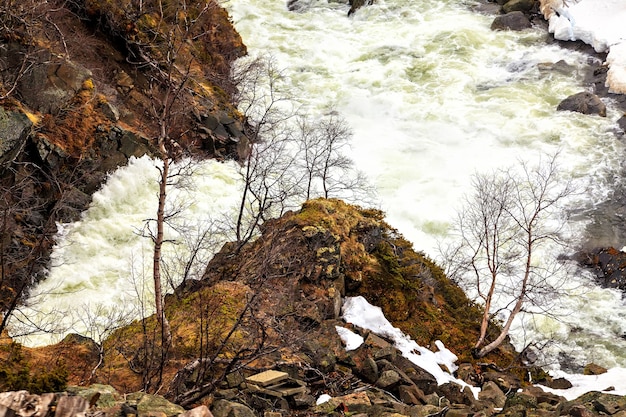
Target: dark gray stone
(518, 5)
(511, 21)
(15, 128)
(586, 103)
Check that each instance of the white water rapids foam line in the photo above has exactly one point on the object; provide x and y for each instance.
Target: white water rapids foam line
(432, 95)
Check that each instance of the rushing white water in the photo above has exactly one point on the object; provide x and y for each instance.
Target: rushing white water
(432, 95)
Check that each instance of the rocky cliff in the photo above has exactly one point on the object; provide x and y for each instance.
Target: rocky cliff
(83, 87)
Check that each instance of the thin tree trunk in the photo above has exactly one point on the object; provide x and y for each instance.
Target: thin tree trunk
(158, 244)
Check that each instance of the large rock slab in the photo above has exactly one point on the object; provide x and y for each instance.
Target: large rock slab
(15, 128)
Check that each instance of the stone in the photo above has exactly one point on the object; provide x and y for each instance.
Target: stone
(593, 369)
(467, 373)
(456, 411)
(357, 4)
(365, 366)
(411, 394)
(511, 21)
(224, 408)
(234, 379)
(6, 411)
(201, 411)
(585, 103)
(456, 394)
(15, 128)
(558, 383)
(525, 400)
(74, 406)
(151, 403)
(50, 85)
(388, 379)
(267, 378)
(491, 393)
(609, 404)
(508, 383)
(518, 5)
(580, 411)
(355, 402)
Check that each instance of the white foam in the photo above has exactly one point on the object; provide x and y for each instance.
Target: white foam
(599, 23)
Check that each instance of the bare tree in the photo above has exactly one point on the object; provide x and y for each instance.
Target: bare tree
(505, 224)
(98, 322)
(328, 171)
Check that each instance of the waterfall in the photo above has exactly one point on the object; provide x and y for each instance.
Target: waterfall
(432, 96)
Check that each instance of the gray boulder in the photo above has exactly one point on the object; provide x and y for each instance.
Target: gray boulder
(585, 103)
(15, 128)
(518, 5)
(511, 21)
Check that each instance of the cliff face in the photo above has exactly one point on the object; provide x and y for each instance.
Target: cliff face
(85, 85)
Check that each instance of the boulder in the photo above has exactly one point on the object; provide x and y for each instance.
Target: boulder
(388, 379)
(105, 396)
(224, 408)
(424, 380)
(491, 393)
(52, 83)
(357, 4)
(511, 21)
(506, 382)
(24, 404)
(456, 394)
(71, 406)
(621, 122)
(148, 405)
(593, 369)
(518, 6)
(585, 103)
(201, 411)
(15, 128)
(609, 266)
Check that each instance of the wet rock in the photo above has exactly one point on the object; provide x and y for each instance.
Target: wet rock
(518, 6)
(511, 21)
(621, 123)
(560, 383)
(15, 128)
(357, 4)
(593, 369)
(585, 103)
(609, 266)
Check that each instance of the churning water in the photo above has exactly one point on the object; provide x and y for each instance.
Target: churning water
(432, 96)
